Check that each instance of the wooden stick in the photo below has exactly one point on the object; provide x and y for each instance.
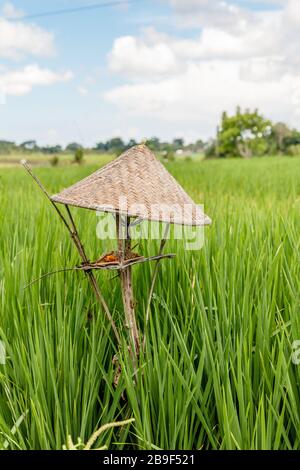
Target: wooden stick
(155, 272)
(91, 266)
(79, 246)
(118, 267)
(91, 276)
(63, 270)
(126, 285)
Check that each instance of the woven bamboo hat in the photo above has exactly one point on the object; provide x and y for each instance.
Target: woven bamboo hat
(138, 185)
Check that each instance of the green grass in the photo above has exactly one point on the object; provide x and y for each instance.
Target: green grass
(217, 370)
(44, 160)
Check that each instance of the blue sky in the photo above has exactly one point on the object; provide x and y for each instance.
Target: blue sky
(160, 67)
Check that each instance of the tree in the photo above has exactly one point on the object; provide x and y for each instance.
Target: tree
(73, 146)
(242, 135)
(280, 132)
(199, 145)
(178, 144)
(51, 149)
(6, 146)
(101, 147)
(292, 139)
(131, 143)
(154, 144)
(29, 145)
(115, 145)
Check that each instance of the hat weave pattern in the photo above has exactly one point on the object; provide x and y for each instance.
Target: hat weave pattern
(138, 185)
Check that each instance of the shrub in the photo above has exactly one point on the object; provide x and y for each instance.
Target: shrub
(293, 150)
(170, 156)
(78, 156)
(54, 160)
(211, 150)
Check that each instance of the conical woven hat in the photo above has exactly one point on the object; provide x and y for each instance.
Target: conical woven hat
(138, 185)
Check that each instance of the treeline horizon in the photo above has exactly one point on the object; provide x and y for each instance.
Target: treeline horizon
(244, 134)
(114, 145)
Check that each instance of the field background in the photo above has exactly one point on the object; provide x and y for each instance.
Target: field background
(66, 159)
(217, 371)
(43, 160)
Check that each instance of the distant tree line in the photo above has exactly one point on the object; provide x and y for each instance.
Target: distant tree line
(244, 134)
(247, 133)
(115, 145)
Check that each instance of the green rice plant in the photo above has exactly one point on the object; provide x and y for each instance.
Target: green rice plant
(217, 371)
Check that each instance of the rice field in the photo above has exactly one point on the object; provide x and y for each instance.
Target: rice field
(218, 369)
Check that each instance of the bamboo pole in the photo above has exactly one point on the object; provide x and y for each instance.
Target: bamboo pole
(91, 275)
(75, 237)
(124, 246)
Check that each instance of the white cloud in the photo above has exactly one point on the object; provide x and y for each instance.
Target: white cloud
(239, 56)
(156, 53)
(10, 11)
(292, 13)
(21, 82)
(136, 58)
(198, 95)
(18, 39)
(216, 13)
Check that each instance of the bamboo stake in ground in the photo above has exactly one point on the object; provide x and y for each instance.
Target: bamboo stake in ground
(124, 246)
(91, 276)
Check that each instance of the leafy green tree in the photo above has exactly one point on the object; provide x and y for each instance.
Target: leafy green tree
(154, 144)
(6, 146)
(242, 135)
(29, 145)
(101, 147)
(73, 146)
(292, 139)
(199, 145)
(115, 145)
(131, 143)
(178, 144)
(51, 149)
(280, 132)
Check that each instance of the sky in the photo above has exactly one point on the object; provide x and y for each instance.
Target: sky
(165, 68)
